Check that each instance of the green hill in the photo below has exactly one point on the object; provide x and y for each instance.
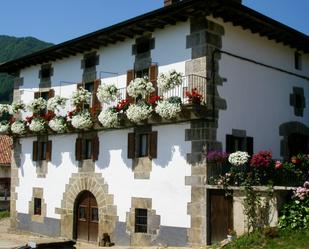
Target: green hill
(12, 48)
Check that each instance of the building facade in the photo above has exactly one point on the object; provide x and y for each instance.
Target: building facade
(145, 183)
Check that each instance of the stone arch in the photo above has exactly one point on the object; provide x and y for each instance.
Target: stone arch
(285, 130)
(94, 183)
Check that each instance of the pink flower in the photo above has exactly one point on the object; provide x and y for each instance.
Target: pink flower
(278, 165)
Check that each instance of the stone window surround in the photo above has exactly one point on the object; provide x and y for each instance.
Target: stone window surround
(90, 73)
(153, 222)
(37, 193)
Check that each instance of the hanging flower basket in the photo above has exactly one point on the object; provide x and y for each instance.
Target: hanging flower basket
(58, 124)
(140, 87)
(109, 118)
(138, 112)
(56, 103)
(17, 107)
(107, 93)
(4, 108)
(80, 97)
(37, 105)
(170, 80)
(18, 127)
(82, 120)
(37, 125)
(167, 109)
(4, 127)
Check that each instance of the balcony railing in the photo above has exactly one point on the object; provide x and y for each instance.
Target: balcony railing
(189, 83)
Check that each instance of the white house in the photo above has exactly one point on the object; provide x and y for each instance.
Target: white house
(145, 183)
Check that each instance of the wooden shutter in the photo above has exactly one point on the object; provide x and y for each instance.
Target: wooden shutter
(153, 76)
(51, 93)
(130, 77)
(153, 144)
(37, 95)
(35, 151)
(95, 148)
(229, 144)
(78, 149)
(48, 150)
(131, 145)
(95, 102)
(249, 143)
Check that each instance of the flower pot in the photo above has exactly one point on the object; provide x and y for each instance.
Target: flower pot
(230, 238)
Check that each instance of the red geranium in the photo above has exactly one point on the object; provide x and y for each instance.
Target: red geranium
(153, 99)
(194, 96)
(123, 105)
(48, 116)
(261, 159)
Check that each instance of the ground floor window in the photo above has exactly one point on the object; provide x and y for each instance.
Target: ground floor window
(141, 220)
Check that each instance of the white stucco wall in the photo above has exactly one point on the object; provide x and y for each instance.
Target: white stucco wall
(258, 98)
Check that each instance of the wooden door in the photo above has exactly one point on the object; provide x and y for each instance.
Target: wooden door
(221, 215)
(87, 217)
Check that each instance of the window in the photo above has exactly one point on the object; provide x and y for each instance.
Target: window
(82, 213)
(87, 148)
(94, 214)
(42, 150)
(297, 60)
(142, 144)
(90, 88)
(37, 206)
(141, 220)
(45, 73)
(236, 143)
(90, 61)
(142, 73)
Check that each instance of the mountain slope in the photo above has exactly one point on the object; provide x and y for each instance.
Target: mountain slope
(12, 48)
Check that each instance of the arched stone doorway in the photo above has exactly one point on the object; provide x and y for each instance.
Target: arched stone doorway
(86, 215)
(107, 211)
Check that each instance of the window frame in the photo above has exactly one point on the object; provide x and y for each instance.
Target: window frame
(37, 206)
(297, 60)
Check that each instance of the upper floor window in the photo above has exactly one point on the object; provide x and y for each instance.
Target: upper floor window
(142, 144)
(297, 60)
(143, 45)
(235, 143)
(87, 148)
(90, 60)
(45, 72)
(41, 150)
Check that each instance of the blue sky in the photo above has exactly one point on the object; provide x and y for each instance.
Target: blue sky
(57, 21)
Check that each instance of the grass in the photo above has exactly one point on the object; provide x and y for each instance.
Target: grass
(4, 214)
(278, 240)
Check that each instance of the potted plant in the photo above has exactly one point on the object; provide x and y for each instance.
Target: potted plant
(231, 234)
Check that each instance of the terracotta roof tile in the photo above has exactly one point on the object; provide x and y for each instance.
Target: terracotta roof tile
(5, 150)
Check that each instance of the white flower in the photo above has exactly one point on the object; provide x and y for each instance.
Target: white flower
(167, 110)
(4, 108)
(16, 107)
(82, 120)
(37, 125)
(109, 118)
(140, 86)
(138, 112)
(239, 158)
(80, 96)
(4, 126)
(58, 124)
(37, 105)
(169, 80)
(18, 127)
(55, 103)
(107, 93)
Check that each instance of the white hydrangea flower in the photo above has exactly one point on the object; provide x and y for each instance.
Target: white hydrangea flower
(18, 127)
(37, 125)
(109, 118)
(80, 96)
(167, 110)
(4, 126)
(107, 93)
(4, 108)
(138, 112)
(58, 124)
(239, 158)
(54, 104)
(37, 105)
(82, 120)
(16, 107)
(169, 80)
(140, 87)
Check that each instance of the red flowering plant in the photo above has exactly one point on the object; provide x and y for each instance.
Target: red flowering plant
(123, 105)
(263, 159)
(194, 96)
(154, 99)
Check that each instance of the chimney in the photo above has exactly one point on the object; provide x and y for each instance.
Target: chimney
(170, 2)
